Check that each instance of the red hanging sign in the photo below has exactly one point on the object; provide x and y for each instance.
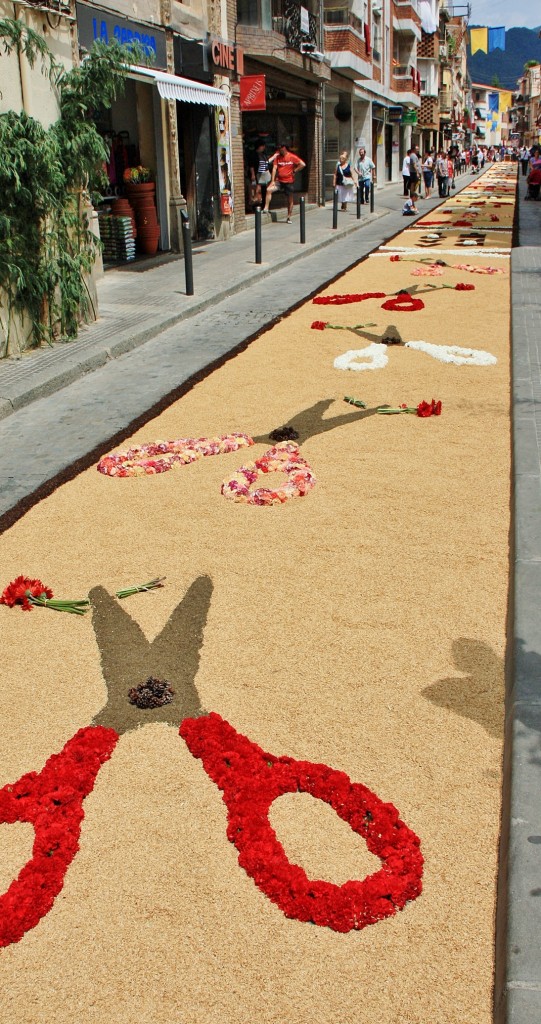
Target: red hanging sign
(252, 92)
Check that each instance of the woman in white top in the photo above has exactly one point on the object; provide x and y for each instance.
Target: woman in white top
(428, 174)
(343, 180)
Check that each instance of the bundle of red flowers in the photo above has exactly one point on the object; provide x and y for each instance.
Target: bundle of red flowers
(424, 409)
(252, 779)
(464, 287)
(318, 325)
(27, 593)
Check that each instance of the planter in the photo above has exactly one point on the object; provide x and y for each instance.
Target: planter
(149, 221)
(142, 189)
(147, 240)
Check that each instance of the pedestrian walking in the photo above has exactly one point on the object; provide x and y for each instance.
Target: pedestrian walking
(450, 174)
(442, 174)
(415, 170)
(365, 168)
(428, 174)
(524, 160)
(343, 180)
(260, 174)
(406, 173)
(285, 166)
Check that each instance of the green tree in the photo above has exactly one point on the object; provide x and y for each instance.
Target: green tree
(496, 82)
(46, 246)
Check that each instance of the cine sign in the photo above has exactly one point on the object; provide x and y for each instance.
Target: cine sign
(225, 55)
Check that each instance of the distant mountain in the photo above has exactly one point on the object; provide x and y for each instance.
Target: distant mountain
(521, 44)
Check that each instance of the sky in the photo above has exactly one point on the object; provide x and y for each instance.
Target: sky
(518, 14)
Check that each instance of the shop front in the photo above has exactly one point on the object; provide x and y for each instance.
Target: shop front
(204, 137)
(288, 116)
(133, 130)
(142, 181)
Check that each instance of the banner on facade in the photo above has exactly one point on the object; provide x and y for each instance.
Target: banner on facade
(496, 38)
(479, 40)
(252, 92)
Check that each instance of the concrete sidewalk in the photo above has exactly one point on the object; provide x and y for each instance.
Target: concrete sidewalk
(518, 964)
(139, 301)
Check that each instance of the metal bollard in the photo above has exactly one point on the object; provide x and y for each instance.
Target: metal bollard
(258, 234)
(187, 245)
(335, 209)
(372, 186)
(359, 199)
(302, 219)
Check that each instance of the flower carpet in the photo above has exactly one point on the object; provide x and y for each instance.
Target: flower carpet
(266, 785)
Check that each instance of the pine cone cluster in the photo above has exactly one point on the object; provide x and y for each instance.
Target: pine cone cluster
(153, 693)
(284, 434)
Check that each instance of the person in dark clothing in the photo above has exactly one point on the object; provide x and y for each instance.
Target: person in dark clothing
(260, 174)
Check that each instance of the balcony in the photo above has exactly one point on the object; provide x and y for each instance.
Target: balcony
(406, 20)
(292, 29)
(445, 103)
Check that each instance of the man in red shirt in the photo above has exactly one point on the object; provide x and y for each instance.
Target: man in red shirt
(284, 168)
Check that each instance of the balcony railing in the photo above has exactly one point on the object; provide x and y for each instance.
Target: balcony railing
(445, 101)
(290, 26)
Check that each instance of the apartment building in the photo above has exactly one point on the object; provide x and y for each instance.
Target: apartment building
(526, 111)
(373, 98)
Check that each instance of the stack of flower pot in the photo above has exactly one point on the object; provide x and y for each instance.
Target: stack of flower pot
(143, 200)
(123, 208)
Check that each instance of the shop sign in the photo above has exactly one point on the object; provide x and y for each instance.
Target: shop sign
(395, 114)
(409, 117)
(252, 92)
(305, 22)
(95, 24)
(227, 56)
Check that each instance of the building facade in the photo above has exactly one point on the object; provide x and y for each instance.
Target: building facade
(526, 111)
(373, 97)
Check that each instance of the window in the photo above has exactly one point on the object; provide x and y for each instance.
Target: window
(255, 12)
(376, 36)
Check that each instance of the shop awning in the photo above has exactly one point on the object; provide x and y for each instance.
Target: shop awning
(173, 87)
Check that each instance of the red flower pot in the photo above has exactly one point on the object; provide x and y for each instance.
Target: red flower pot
(147, 240)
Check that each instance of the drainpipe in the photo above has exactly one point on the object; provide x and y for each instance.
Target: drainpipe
(24, 71)
(322, 103)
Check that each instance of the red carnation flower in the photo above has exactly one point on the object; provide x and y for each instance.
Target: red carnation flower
(394, 259)
(27, 592)
(464, 287)
(319, 325)
(21, 589)
(425, 409)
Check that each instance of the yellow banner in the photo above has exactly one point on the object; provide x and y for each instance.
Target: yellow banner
(506, 101)
(479, 39)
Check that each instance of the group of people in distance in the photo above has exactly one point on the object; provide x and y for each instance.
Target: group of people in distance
(272, 174)
(276, 173)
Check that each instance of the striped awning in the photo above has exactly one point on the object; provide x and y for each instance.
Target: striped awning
(173, 87)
